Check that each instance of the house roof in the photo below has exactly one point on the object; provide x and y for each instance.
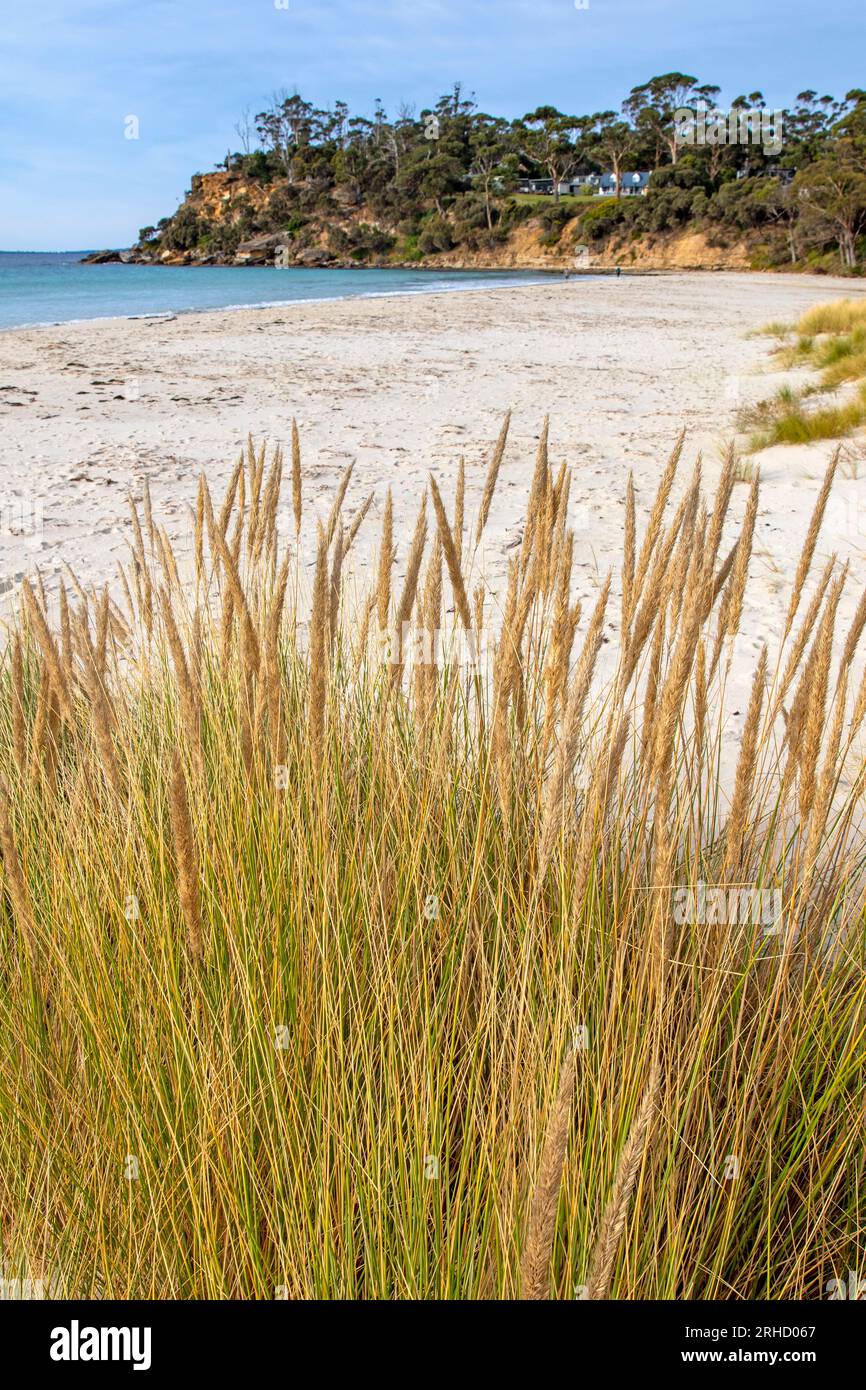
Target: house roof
(629, 180)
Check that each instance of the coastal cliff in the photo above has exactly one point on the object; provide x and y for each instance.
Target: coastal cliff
(228, 219)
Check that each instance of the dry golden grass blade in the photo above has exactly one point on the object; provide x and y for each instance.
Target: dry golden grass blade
(186, 856)
(277, 606)
(257, 473)
(745, 775)
(452, 560)
(137, 537)
(654, 590)
(701, 700)
(651, 691)
(198, 533)
(167, 560)
(49, 650)
(100, 644)
(492, 475)
(654, 525)
(46, 734)
(673, 693)
(596, 806)
(426, 672)
(39, 740)
(19, 734)
(148, 514)
(296, 477)
(357, 522)
(713, 542)
(805, 562)
(433, 586)
(809, 749)
(386, 561)
(855, 632)
(272, 683)
(742, 558)
(236, 482)
(190, 699)
(795, 721)
(16, 883)
(337, 506)
(564, 627)
(537, 493)
(336, 583)
(555, 799)
(104, 725)
(690, 541)
(410, 586)
(796, 654)
(616, 1211)
(66, 635)
(319, 648)
(505, 676)
(562, 489)
(544, 537)
(266, 536)
(249, 638)
(628, 562)
(538, 1248)
(828, 778)
(723, 574)
(459, 505)
(364, 633)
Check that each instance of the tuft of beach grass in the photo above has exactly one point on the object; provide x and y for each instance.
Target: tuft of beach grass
(300, 923)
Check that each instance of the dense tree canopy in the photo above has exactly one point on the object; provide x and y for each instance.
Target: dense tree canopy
(415, 183)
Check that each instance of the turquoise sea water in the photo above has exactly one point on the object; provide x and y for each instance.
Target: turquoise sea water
(52, 287)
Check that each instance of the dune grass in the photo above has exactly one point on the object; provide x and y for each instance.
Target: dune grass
(328, 972)
(831, 338)
(775, 329)
(843, 359)
(836, 316)
(786, 420)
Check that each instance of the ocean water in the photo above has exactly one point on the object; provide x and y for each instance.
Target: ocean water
(52, 287)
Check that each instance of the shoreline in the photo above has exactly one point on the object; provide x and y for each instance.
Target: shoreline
(258, 305)
(548, 273)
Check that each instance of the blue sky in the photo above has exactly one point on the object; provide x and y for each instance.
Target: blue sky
(71, 71)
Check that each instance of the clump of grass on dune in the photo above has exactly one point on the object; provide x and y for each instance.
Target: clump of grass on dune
(840, 346)
(844, 359)
(839, 356)
(832, 339)
(331, 974)
(836, 316)
(785, 420)
(775, 329)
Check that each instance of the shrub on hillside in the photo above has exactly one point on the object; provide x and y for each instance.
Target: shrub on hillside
(436, 234)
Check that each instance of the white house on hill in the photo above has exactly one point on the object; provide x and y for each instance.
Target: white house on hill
(631, 185)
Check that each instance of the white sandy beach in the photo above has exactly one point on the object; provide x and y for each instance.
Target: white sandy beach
(407, 384)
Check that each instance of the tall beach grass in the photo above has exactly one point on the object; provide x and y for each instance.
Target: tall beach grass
(334, 966)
